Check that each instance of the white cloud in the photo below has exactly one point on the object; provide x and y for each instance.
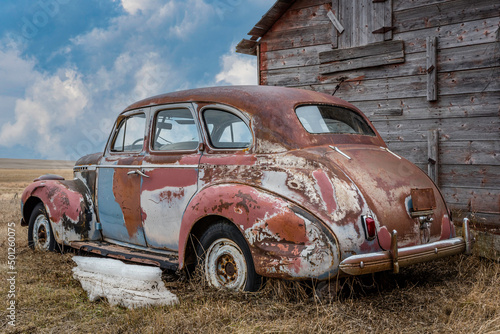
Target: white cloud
(134, 6)
(237, 69)
(194, 13)
(15, 71)
(52, 105)
(174, 18)
(135, 76)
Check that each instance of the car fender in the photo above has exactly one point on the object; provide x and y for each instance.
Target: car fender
(68, 205)
(285, 240)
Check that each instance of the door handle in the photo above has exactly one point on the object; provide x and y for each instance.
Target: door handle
(137, 171)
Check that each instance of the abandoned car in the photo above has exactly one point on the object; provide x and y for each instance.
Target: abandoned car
(246, 182)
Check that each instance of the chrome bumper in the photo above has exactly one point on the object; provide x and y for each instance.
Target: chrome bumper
(402, 257)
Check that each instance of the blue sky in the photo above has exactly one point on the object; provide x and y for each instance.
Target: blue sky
(68, 67)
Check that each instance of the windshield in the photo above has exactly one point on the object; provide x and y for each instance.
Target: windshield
(332, 119)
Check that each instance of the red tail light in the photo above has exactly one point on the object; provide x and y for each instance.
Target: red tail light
(370, 228)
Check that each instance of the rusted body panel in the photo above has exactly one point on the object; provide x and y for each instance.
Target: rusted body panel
(285, 240)
(299, 199)
(69, 207)
(118, 199)
(165, 194)
(386, 182)
(88, 175)
(301, 179)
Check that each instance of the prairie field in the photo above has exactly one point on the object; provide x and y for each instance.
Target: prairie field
(460, 294)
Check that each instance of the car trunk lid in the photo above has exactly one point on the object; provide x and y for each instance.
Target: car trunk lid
(397, 192)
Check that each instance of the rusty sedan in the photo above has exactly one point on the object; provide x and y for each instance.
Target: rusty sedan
(246, 183)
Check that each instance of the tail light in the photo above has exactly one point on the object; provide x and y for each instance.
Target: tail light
(369, 227)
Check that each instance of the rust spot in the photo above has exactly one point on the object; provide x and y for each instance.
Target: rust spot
(246, 201)
(326, 189)
(288, 228)
(126, 190)
(170, 195)
(222, 206)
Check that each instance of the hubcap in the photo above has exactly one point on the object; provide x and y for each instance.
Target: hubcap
(41, 233)
(225, 265)
(226, 268)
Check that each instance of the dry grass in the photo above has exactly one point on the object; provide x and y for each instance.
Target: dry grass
(460, 295)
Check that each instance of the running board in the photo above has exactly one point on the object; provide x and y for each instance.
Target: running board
(170, 262)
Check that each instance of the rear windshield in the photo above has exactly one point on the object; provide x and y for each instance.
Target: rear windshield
(332, 119)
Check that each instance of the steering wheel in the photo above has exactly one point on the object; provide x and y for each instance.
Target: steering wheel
(137, 141)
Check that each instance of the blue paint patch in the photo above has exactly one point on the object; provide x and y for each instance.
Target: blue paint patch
(110, 212)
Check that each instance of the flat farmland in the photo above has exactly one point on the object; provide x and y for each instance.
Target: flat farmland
(35, 164)
(460, 294)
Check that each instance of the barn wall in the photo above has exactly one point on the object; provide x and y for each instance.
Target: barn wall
(466, 113)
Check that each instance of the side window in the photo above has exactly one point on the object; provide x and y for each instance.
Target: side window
(226, 130)
(130, 136)
(175, 130)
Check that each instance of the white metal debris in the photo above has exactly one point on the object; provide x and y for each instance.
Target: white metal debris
(131, 286)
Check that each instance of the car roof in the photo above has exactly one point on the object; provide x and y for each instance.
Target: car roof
(276, 126)
(252, 99)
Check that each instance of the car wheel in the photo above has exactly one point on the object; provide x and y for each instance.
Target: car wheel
(225, 258)
(40, 236)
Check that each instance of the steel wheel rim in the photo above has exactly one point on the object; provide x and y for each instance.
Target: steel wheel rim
(41, 233)
(225, 265)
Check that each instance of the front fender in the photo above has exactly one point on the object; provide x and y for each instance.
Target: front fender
(69, 207)
(285, 240)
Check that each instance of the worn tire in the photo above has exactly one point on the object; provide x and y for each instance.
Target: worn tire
(40, 235)
(225, 259)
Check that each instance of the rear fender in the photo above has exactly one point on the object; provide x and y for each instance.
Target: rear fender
(285, 240)
(69, 207)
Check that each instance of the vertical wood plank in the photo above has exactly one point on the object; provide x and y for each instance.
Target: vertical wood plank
(355, 19)
(263, 63)
(362, 16)
(335, 38)
(377, 15)
(388, 19)
(432, 68)
(259, 76)
(433, 154)
(346, 18)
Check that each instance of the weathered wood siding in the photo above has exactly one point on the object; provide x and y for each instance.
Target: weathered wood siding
(451, 85)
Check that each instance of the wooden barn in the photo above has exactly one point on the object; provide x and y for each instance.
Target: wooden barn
(426, 72)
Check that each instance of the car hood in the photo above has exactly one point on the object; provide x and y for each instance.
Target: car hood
(386, 180)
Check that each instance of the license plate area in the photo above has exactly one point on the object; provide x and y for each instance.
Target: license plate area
(423, 199)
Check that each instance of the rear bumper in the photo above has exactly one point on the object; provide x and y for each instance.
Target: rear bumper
(402, 257)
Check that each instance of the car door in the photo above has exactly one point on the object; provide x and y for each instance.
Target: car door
(171, 169)
(119, 181)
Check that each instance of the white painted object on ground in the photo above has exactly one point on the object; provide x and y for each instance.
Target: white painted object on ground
(122, 284)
